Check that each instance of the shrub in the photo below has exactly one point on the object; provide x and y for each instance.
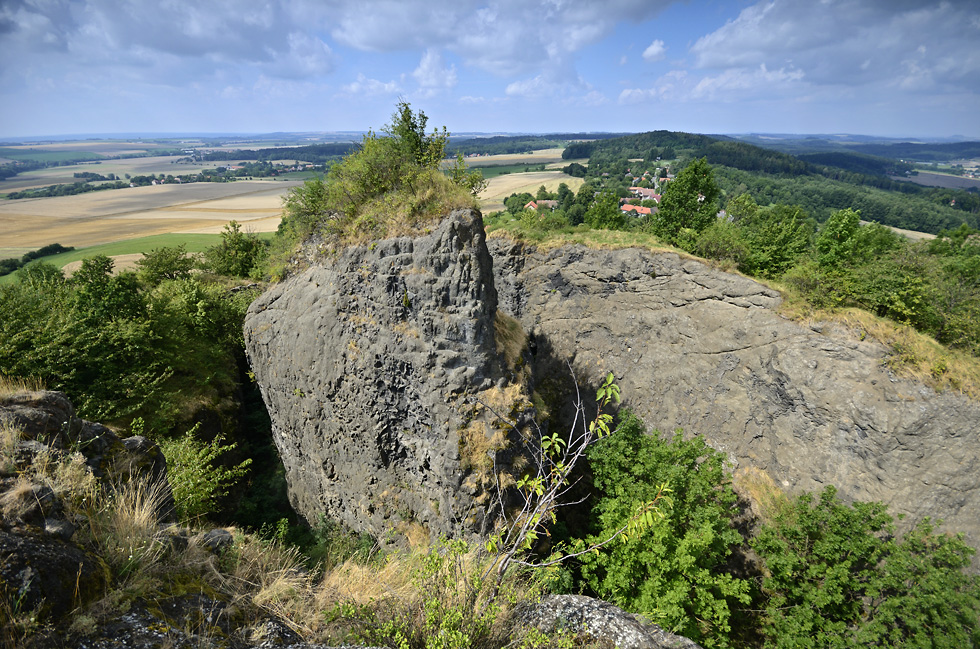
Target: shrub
(197, 478)
(165, 263)
(238, 253)
(839, 577)
(675, 572)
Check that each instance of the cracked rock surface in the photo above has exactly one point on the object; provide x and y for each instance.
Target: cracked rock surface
(371, 364)
(695, 348)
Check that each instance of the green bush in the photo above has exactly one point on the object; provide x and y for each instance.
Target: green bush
(391, 185)
(238, 254)
(839, 577)
(674, 572)
(197, 477)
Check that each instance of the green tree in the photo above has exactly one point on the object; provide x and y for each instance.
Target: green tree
(777, 237)
(165, 263)
(835, 241)
(675, 572)
(839, 577)
(238, 253)
(690, 201)
(604, 213)
(304, 208)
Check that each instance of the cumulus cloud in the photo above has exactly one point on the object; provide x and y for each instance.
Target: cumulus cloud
(676, 85)
(432, 74)
(656, 52)
(366, 87)
(852, 42)
(504, 37)
(202, 35)
(731, 84)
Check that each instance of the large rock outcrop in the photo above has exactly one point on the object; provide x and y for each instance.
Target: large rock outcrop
(42, 569)
(375, 365)
(706, 351)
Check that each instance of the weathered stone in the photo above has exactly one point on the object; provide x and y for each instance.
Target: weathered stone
(39, 567)
(45, 573)
(706, 351)
(48, 417)
(215, 540)
(372, 364)
(599, 622)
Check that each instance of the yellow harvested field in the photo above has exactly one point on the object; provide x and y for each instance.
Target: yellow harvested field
(113, 215)
(500, 187)
(534, 157)
(119, 264)
(133, 166)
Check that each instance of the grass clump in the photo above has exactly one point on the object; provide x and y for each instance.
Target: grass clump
(391, 186)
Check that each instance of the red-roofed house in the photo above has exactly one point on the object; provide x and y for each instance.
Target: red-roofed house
(637, 210)
(646, 194)
(534, 205)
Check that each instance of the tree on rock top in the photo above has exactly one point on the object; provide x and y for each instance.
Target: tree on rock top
(391, 185)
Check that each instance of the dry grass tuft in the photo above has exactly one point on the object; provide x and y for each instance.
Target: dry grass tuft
(125, 524)
(765, 496)
(18, 499)
(363, 584)
(10, 437)
(10, 386)
(510, 339)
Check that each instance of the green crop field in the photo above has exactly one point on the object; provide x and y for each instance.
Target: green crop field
(42, 155)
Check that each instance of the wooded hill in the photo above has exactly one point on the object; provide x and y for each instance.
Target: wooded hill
(820, 183)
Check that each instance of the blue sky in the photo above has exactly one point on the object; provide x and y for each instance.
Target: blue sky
(875, 67)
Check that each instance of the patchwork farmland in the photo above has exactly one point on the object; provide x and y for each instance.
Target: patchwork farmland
(100, 217)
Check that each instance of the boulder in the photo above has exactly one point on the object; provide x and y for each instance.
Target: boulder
(40, 567)
(597, 622)
(696, 348)
(380, 372)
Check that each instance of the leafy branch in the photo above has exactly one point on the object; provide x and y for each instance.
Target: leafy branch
(544, 489)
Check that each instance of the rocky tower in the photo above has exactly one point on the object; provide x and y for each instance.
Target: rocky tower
(375, 364)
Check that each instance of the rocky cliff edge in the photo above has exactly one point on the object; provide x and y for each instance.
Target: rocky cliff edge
(703, 350)
(373, 363)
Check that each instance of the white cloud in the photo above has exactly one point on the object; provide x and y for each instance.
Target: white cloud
(371, 87)
(736, 83)
(851, 42)
(655, 52)
(504, 37)
(432, 74)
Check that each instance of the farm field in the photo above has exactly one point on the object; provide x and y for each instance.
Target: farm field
(132, 166)
(540, 156)
(102, 217)
(941, 180)
(500, 187)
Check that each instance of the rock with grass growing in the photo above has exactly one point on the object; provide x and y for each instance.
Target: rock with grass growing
(811, 404)
(379, 366)
(57, 469)
(592, 622)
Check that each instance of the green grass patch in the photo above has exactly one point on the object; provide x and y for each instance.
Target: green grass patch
(33, 155)
(300, 175)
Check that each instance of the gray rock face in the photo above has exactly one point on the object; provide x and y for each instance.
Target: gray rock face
(599, 622)
(703, 350)
(371, 364)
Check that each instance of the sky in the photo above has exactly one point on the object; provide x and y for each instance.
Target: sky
(895, 68)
